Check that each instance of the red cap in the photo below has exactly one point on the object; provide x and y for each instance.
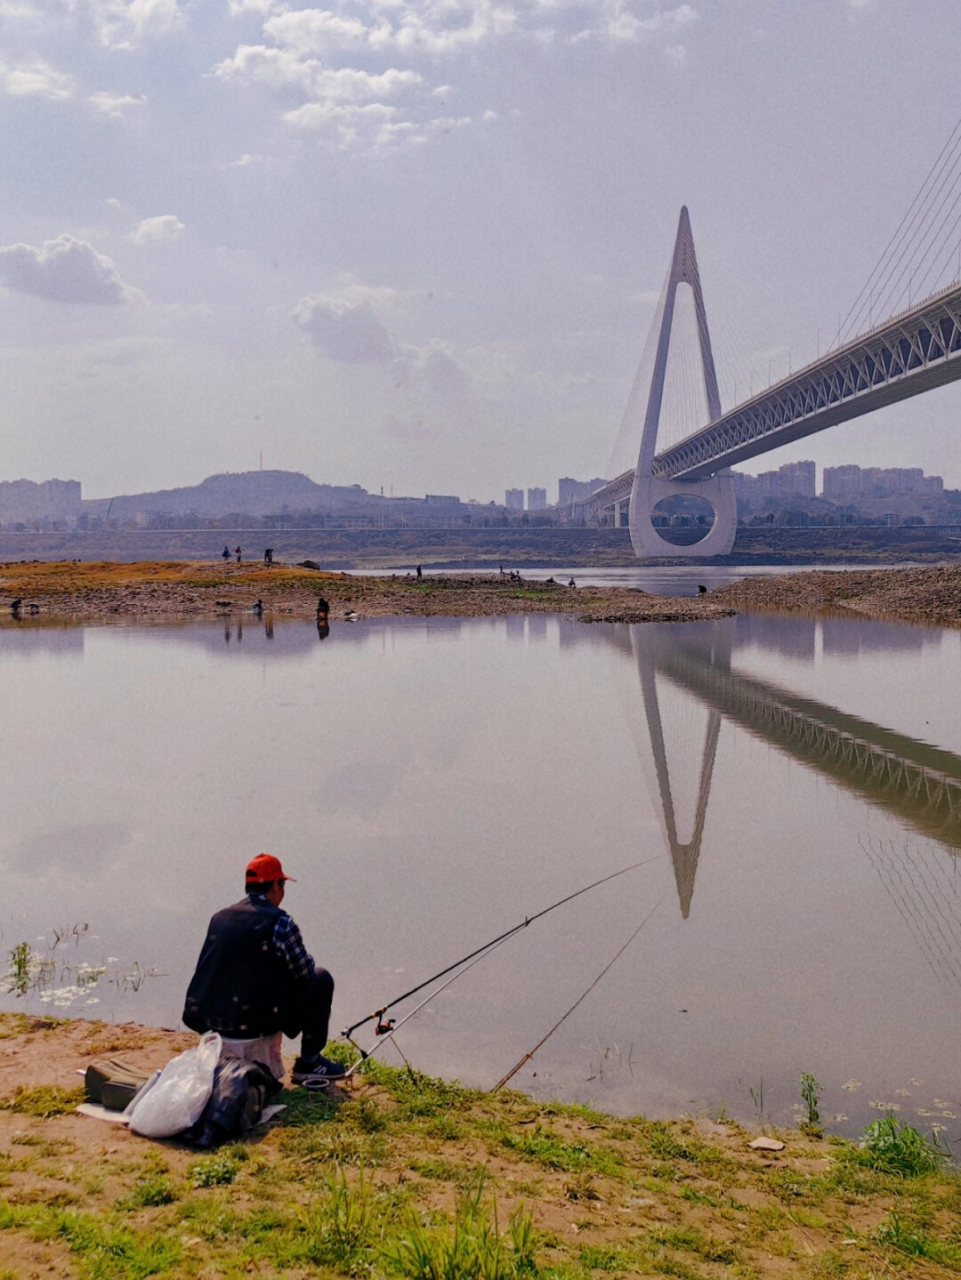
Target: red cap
(265, 868)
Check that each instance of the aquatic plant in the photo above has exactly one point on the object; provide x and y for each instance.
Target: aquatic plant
(60, 981)
(810, 1096)
(891, 1146)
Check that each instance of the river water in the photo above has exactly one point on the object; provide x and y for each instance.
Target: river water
(793, 786)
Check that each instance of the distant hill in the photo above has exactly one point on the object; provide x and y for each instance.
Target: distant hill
(256, 493)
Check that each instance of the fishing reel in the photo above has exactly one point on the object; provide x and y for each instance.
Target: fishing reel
(384, 1025)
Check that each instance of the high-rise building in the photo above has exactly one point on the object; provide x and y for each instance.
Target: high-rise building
(792, 480)
(514, 499)
(536, 499)
(570, 490)
(844, 484)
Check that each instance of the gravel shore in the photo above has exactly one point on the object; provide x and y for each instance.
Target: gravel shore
(167, 589)
(184, 589)
(926, 595)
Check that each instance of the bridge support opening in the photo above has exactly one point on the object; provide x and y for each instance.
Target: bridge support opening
(647, 490)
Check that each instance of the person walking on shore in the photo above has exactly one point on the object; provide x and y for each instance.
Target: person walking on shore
(255, 978)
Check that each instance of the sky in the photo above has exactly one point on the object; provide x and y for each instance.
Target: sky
(419, 245)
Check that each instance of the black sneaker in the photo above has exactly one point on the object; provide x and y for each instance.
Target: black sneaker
(317, 1072)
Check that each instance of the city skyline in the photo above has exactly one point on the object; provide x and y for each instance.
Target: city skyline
(421, 243)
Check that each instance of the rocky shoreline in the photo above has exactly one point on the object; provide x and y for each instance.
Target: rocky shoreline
(155, 590)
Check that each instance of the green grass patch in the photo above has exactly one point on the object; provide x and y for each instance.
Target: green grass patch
(150, 1191)
(890, 1146)
(42, 1100)
(545, 1147)
(471, 1245)
(910, 1237)
(102, 1251)
(213, 1171)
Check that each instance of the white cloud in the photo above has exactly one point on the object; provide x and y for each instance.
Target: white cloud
(258, 64)
(372, 128)
(434, 369)
(282, 68)
(246, 161)
(676, 54)
(345, 331)
(617, 24)
(63, 270)
(316, 31)
(238, 7)
(165, 226)
(34, 78)
(127, 24)
(115, 105)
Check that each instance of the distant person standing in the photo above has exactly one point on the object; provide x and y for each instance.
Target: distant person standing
(226, 554)
(269, 556)
(420, 573)
(237, 554)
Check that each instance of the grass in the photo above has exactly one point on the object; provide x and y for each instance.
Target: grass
(42, 1100)
(416, 1177)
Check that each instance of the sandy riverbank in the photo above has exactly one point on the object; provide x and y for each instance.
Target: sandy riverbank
(159, 589)
(183, 588)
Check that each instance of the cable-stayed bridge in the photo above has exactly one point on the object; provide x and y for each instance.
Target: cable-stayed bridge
(909, 354)
(913, 351)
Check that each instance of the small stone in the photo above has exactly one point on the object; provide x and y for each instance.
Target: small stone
(766, 1144)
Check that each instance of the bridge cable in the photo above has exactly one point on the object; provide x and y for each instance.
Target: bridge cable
(917, 222)
(905, 229)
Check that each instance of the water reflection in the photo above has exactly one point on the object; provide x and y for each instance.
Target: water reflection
(917, 782)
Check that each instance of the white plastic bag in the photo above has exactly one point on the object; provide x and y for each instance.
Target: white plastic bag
(182, 1090)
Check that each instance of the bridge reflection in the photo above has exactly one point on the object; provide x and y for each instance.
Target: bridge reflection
(917, 783)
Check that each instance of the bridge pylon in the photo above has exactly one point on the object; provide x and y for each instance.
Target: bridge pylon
(649, 490)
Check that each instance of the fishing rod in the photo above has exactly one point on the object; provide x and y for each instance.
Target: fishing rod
(544, 1039)
(385, 1029)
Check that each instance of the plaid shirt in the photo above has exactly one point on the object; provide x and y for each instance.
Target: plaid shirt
(289, 945)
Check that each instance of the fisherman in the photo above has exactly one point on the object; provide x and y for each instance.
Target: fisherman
(226, 554)
(268, 555)
(255, 978)
(323, 608)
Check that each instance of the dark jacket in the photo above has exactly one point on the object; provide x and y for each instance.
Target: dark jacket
(239, 985)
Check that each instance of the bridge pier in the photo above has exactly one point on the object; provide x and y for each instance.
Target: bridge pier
(649, 489)
(648, 492)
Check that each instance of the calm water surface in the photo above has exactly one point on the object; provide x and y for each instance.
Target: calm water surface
(432, 782)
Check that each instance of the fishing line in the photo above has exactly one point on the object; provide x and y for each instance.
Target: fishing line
(527, 1056)
(391, 1030)
(479, 953)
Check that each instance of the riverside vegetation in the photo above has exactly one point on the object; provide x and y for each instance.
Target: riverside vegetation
(407, 1176)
